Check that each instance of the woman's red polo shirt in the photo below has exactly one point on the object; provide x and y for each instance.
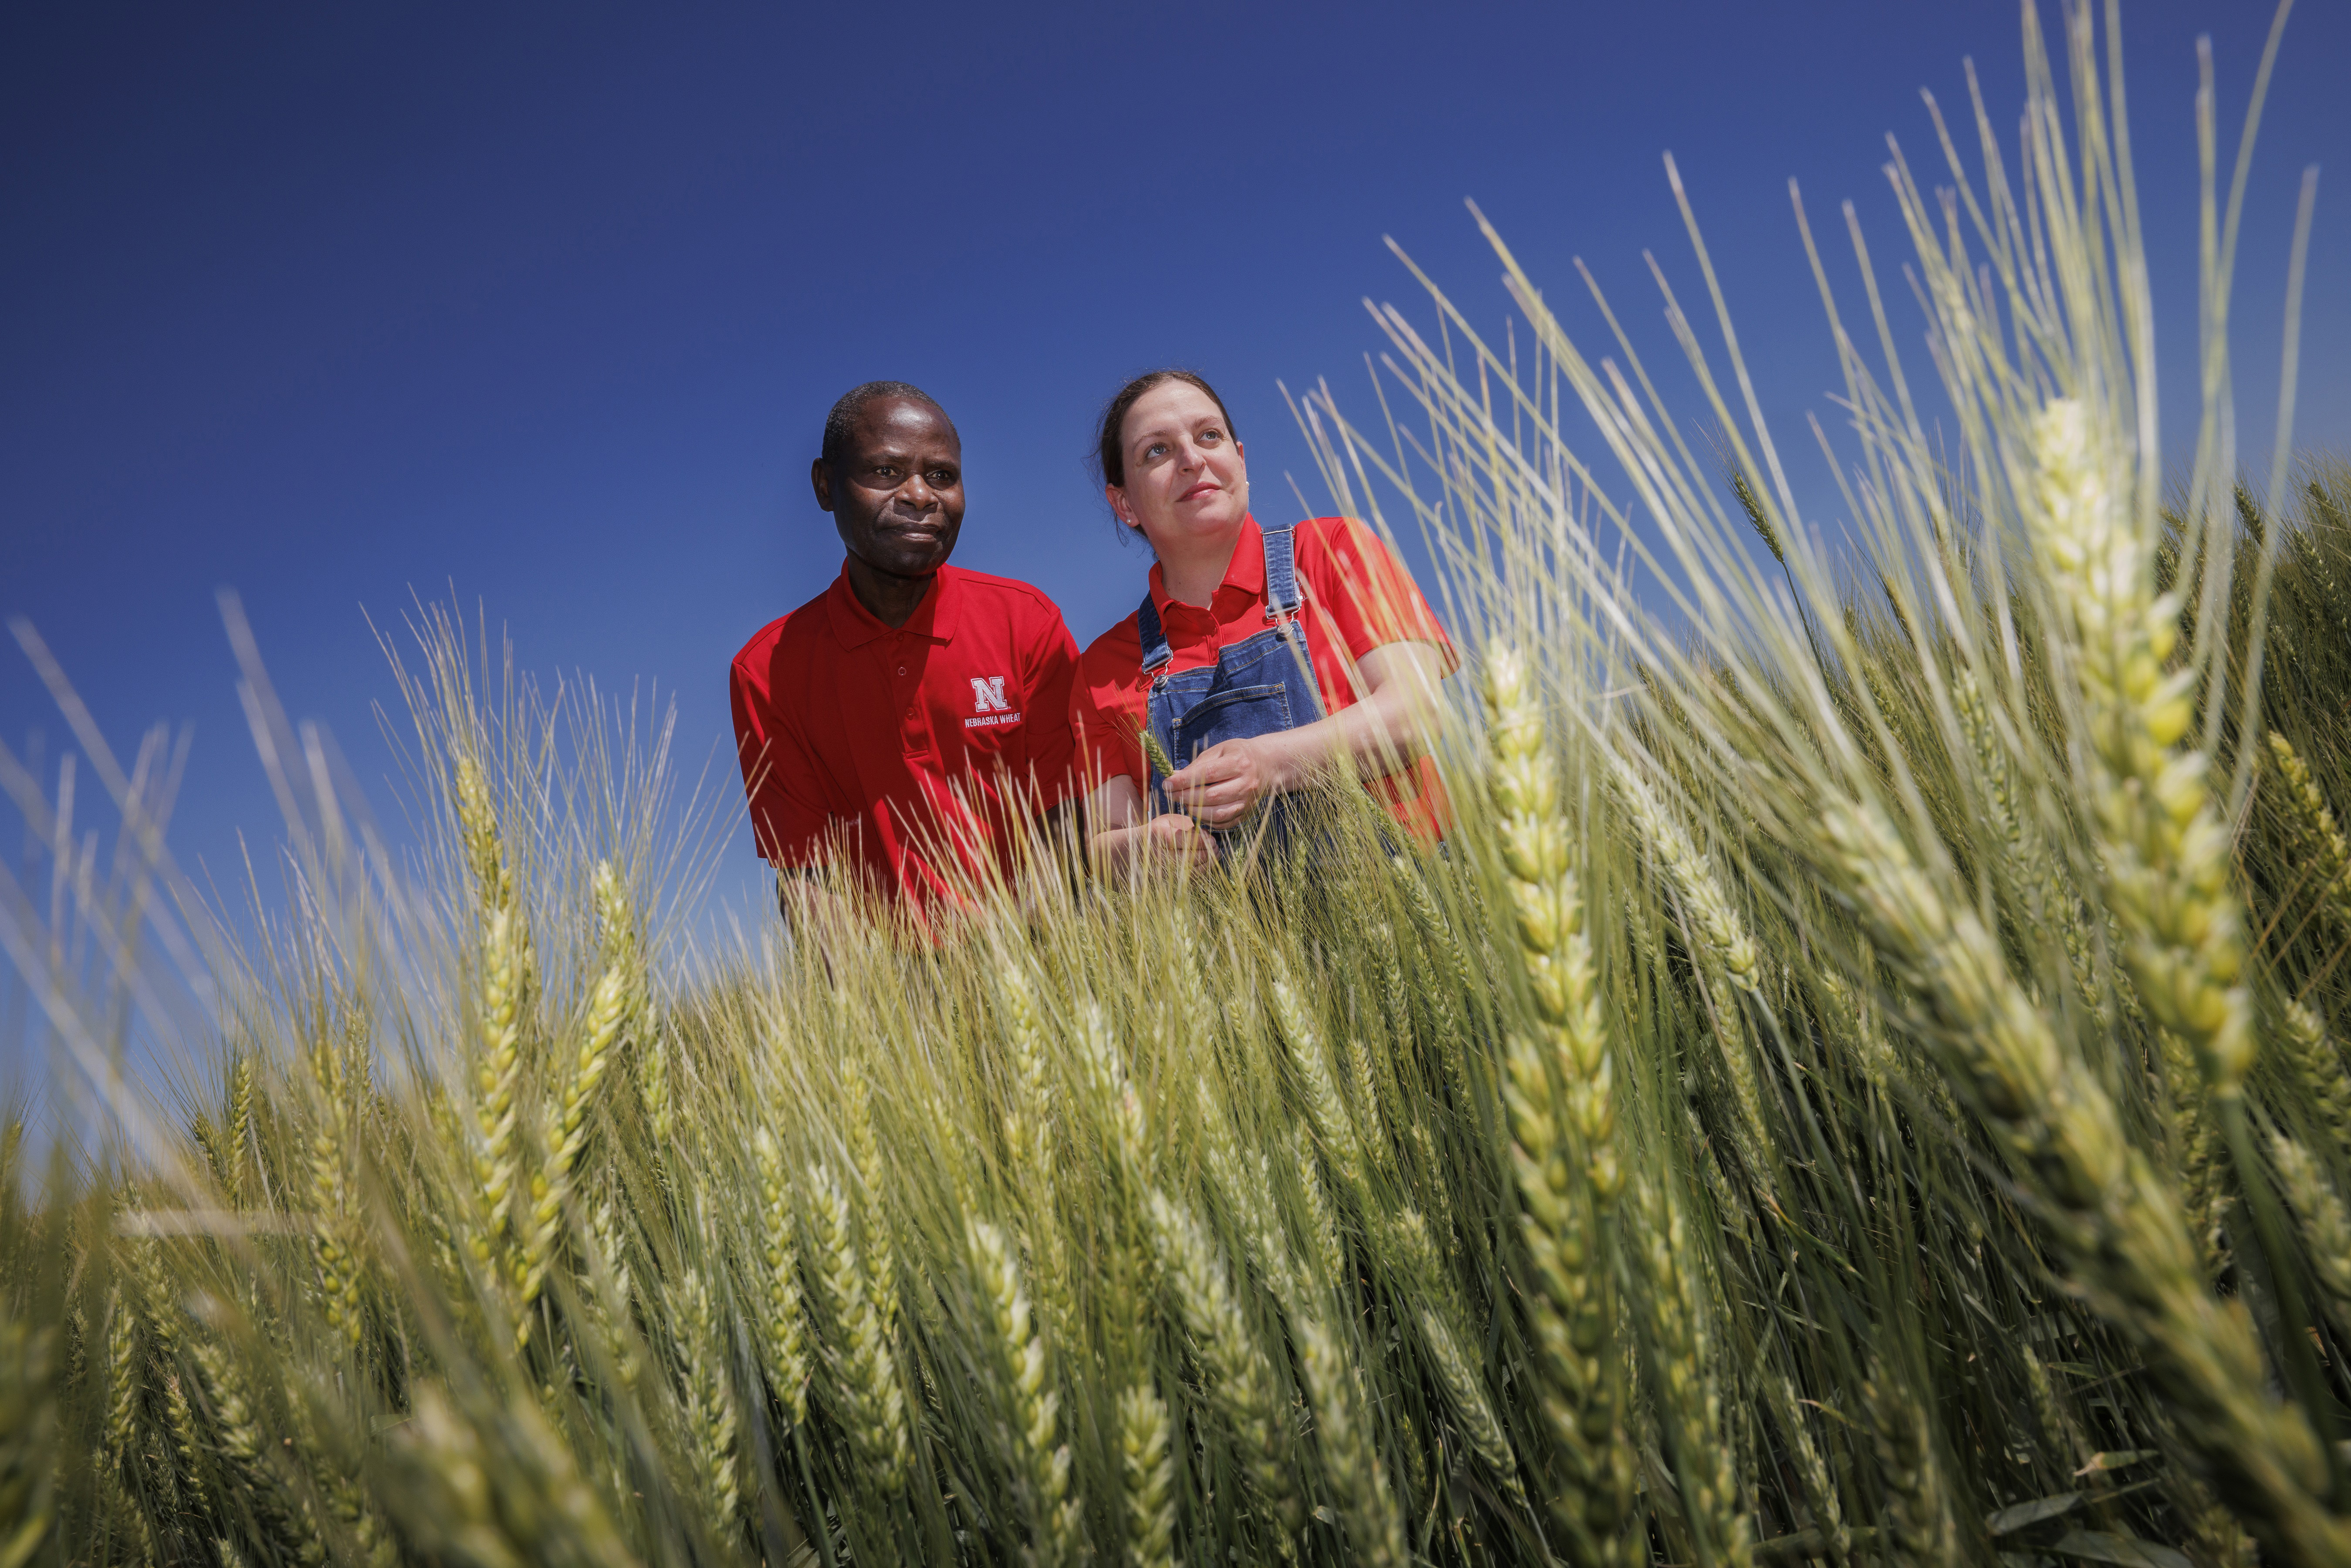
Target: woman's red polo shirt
(847, 726)
(1359, 597)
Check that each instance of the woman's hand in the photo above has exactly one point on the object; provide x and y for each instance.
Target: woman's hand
(1120, 830)
(1221, 785)
(1172, 836)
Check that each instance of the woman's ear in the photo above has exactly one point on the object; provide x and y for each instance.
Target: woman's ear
(1119, 509)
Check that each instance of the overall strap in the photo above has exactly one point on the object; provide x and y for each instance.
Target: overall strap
(1284, 593)
(1156, 655)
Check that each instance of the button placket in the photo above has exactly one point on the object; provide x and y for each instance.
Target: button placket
(914, 740)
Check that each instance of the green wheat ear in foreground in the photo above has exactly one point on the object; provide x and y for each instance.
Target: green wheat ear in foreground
(1865, 1085)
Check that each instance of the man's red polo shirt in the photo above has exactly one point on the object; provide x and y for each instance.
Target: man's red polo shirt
(1358, 596)
(848, 728)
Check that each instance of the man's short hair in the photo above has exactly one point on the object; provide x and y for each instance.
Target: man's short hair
(837, 423)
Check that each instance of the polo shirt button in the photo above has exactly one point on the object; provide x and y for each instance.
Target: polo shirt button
(902, 669)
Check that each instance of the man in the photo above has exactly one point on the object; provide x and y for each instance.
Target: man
(906, 718)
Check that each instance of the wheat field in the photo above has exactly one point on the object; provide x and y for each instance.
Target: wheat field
(1864, 1081)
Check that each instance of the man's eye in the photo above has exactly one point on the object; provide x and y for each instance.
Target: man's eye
(942, 476)
(1211, 434)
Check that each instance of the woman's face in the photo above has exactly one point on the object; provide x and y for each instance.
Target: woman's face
(1186, 481)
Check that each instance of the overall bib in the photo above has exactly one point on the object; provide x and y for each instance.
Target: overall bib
(1260, 685)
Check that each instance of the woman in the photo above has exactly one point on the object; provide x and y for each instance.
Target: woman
(1259, 660)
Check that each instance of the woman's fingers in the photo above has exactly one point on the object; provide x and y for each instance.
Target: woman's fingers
(1211, 767)
(1220, 784)
(1174, 835)
(1215, 802)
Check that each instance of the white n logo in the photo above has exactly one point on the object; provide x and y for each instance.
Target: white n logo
(988, 694)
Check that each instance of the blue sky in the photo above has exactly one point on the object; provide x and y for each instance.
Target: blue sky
(543, 305)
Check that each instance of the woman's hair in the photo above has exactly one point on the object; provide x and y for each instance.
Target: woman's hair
(1109, 454)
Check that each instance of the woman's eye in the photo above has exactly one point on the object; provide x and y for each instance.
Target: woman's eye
(1156, 449)
(1210, 435)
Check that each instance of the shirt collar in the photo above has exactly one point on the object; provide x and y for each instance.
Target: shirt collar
(1245, 571)
(935, 617)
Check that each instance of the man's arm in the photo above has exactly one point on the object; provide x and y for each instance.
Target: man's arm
(1053, 742)
(782, 791)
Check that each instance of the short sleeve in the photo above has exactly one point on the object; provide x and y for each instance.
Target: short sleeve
(1371, 600)
(1106, 726)
(779, 780)
(1052, 675)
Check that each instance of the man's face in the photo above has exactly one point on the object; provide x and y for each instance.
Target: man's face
(897, 498)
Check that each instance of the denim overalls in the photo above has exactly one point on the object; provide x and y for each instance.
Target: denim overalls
(1260, 685)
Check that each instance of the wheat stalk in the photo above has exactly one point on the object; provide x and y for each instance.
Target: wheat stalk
(334, 1243)
(2118, 1220)
(875, 1186)
(121, 1382)
(503, 1490)
(1811, 1465)
(610, 1008)
(653, 1096)
(1239, 1378)
(1720, 931)
(1374, 1527)
(1147, 1469)
(240, 1121)
(873, 1401)
(1318, 1221)
(506, 966)
(1467, 1393)
(1680, 1367)
(709, 1404)
(1334, 1127)
(2006, 807)
(781, 1334)
(28, 1426)
(2318, 1074)
(1034, 1408)
(2328, 852)
(1156, 754)
(1563, 1140)
(1917, 1526)
(2325, 1223)
(2167, 848)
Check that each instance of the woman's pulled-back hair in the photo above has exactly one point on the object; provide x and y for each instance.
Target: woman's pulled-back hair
(1110, 453)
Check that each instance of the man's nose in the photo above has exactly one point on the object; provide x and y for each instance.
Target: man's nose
(916, 492)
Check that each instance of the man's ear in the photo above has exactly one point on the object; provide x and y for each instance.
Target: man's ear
(820, 476)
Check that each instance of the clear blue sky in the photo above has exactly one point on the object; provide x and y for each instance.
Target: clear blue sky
(546, 303)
